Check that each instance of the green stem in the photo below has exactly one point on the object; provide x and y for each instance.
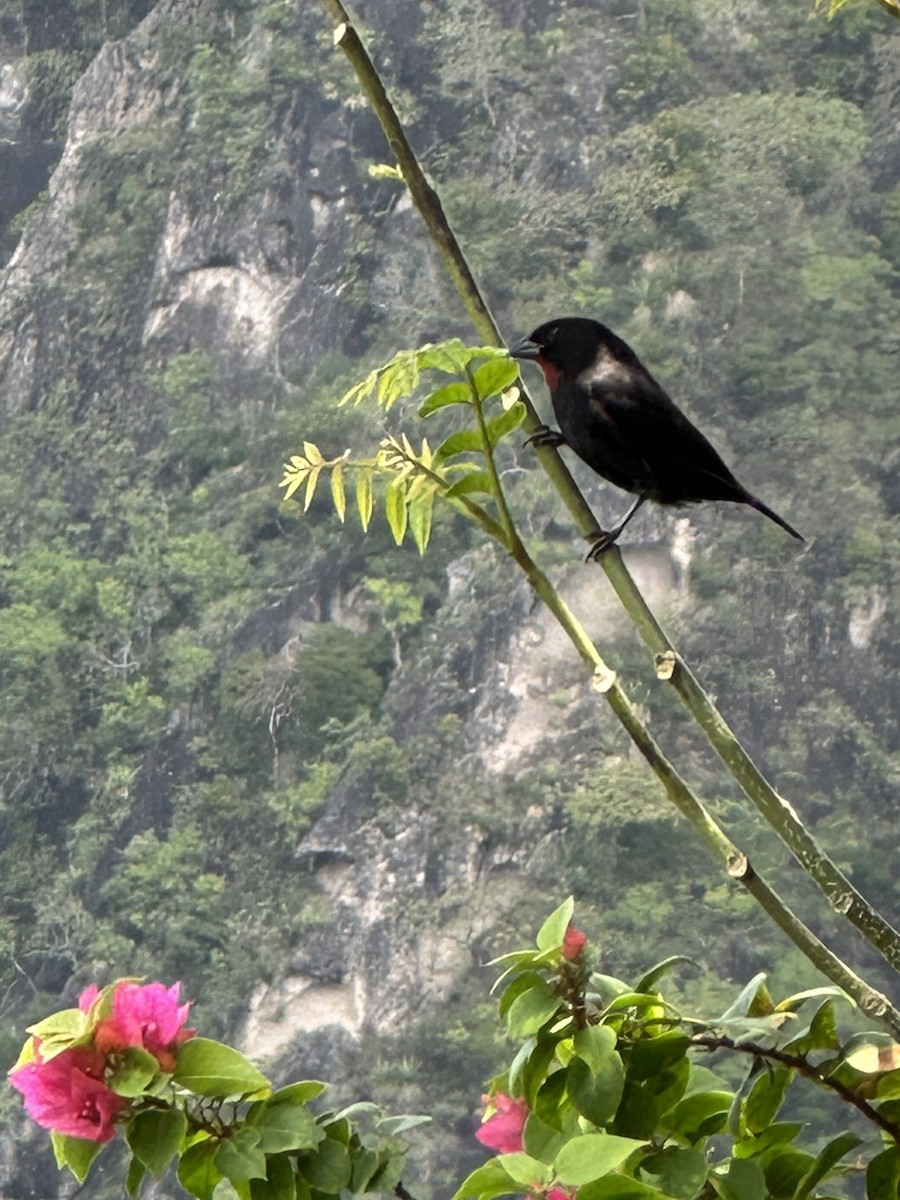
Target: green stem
(487, 451)
(685, 799)
(837, 888)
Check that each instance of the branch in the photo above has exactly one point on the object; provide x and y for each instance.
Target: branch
(681, 794)
(806, 1068)
(840, 893)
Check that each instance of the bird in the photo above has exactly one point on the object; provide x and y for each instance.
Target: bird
(615, 416)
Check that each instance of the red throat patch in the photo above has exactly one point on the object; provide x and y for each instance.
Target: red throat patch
(551, 373)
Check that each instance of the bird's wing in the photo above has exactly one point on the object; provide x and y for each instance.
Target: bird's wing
(647, 428)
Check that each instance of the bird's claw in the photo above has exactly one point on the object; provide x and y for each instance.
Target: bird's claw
(545, 436)
(600, 543)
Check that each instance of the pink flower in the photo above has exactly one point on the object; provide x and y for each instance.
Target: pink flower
(146, 1015)
(67, 1094)
(87, 997)
(503, 1130)
(559, 1193)
(573, 944)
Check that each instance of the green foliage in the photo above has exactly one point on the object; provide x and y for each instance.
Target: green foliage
(614, 1096)
(203, 1106)
(416, 478)
(164, 900)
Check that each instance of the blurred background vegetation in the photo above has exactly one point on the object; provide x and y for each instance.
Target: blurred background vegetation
(239, 746)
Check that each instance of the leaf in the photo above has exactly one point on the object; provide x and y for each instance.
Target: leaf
(471, 482)
(360, 391)
(227, 1189)
(831, 992)
(387, 1177)
(212, 1069)
(874, 1060)
(240, 1157)
(313, 454)
(328, 1170)
(528, 1081)
(487, 1181)
(766, 1097)
(776, 1135)
(450, 393)
(363, 1165)
(596, 1095)
(743, 1180)
(464, 441)
(402, 1122)
(337, 491)
(532, 1009)
(656, 972)
(551, 933)
(395, 508)
(595, 1044)
(591, 1156)
(364, 498)
(883, 1175)
(820, 1034)
(338, 1128)
(746, 1002)
(609, 987)
(75, 1153)
(59, 1031)
(312, 480)
(453, 356)
(398, 379)
(385, 171)
(619, 1187)
(525, 1170)
(284, 1125)
(292, 481)
(827, 1157)
(197, 1173)
(698, 1115)
(299, 1093)
(681, 1171)
(421, 510)
(155, 1137)
(135, 1176)
(510, 419)
(135, 1069)
(650, 1057)
(358, 1108)
(279, 1183)
(540, 1140)
(495, 376)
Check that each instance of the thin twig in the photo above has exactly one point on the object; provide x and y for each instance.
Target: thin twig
(801, 1065)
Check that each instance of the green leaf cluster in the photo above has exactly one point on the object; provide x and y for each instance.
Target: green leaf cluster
(620, 1103)
(416, 477)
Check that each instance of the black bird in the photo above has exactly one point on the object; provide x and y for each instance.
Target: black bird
(617, 418)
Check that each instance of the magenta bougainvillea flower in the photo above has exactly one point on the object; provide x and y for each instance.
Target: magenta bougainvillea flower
(503, 1130)
(146, 1015)
(87, 997)
(67, 1094)
(573, 943)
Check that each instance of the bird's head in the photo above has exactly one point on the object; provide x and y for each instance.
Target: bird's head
(566, 346)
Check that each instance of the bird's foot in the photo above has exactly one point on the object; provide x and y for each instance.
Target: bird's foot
(545, 436)
(600, 543)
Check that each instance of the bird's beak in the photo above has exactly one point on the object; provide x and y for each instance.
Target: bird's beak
(525, 348)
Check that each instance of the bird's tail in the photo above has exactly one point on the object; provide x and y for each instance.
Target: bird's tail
(773, 516)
